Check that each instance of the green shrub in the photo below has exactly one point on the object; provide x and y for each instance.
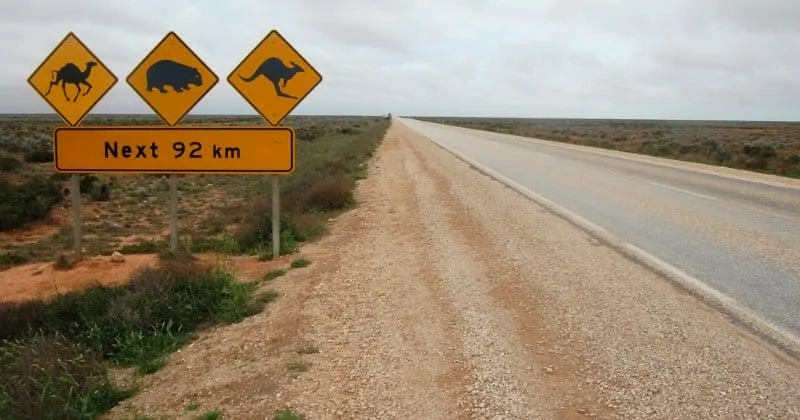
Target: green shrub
(12, 258)
(9, 164)
(287, 414)
(39, 155)
(19, 318)
(255, 229)
(100, 191)
(758, 163)
(332, 193)
(48, 377)
(274, 274)
(211, 415)
(27, 202)
(87, 182)
(300, 263)
(759, 151)
(59, 176)
(309, 132)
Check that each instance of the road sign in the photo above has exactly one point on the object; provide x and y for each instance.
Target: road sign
(172, 79)
(274, 78)
(221, 150)
(72, 79)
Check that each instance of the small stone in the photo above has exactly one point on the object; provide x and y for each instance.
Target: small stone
(117, 257)
(39, 270)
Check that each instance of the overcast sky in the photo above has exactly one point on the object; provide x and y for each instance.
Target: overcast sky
(682, 59)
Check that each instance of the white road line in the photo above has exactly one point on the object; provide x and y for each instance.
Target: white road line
(707, 197)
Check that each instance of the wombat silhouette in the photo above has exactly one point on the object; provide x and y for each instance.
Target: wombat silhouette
(276, 72)
(70, 73)
(172, 73)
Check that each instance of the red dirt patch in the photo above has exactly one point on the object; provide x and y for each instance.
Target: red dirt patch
(43, 281)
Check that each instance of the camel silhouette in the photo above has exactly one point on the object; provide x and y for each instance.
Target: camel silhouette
(276, 72)
(70, 73)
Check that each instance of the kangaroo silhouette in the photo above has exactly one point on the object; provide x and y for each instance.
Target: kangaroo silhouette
(276, 72)
(70, 73)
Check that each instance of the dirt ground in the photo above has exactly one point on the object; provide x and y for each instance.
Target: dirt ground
(445, 296)
(42, 280)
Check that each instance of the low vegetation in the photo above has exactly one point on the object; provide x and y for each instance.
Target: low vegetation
(287, 414)
(59, 350)
(27, 201)
(210, 415)
(224, 214)
(308, 350)
(274, 274)
(300, 263)
(770, 147)
(299, 367)
(56, 355)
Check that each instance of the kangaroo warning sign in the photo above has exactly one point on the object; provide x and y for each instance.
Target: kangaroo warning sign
(72, 79)
(172, 79)
(274, 78)
(170, 150)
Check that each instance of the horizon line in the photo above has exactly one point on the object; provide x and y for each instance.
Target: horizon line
(54, 115)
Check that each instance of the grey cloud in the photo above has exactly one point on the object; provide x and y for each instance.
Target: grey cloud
(80, 12)
(364, 34)
(766, 16)
(594, 58)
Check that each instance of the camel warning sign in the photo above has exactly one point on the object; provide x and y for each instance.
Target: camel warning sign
(172, 79)
(72, 79)
(274, 78)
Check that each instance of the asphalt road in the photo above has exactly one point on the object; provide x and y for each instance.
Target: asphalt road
(738, 233)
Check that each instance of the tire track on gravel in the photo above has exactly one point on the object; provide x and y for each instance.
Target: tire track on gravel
(551, 362)
(509, 377)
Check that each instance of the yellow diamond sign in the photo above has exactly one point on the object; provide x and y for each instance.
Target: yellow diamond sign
(274, 78)
(72, 79)
(172, 79)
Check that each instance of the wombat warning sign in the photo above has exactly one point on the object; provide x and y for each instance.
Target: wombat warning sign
(172, 79)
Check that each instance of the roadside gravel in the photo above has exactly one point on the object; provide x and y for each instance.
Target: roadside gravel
(446, 295)
(649, 349)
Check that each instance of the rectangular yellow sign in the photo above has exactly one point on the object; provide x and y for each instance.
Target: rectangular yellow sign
(186, 150)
